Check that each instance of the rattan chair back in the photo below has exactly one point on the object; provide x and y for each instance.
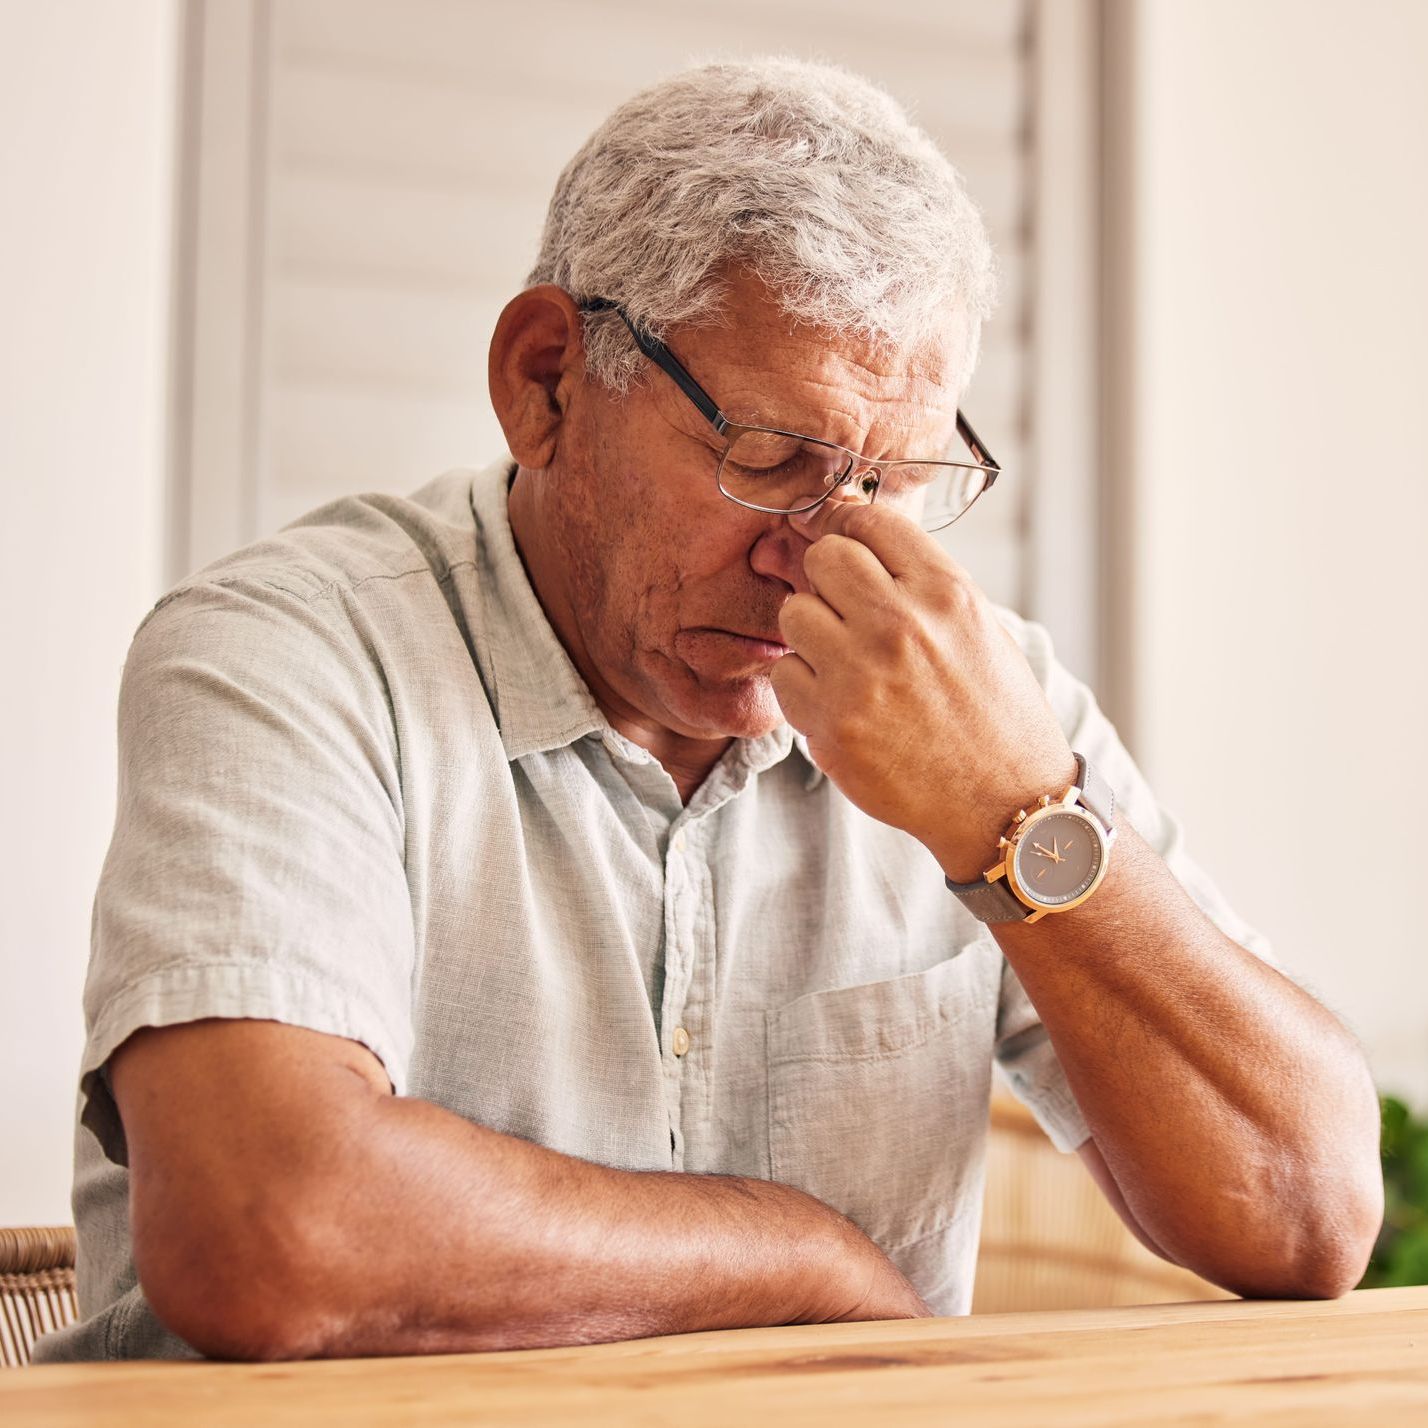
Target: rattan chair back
(36, 1288)
(1051, 1240)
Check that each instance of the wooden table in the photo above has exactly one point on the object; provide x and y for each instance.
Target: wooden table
(1363, 1359)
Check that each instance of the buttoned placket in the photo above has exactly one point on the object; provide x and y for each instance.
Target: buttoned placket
(687, 1000)
(679, 1016)
(691, 952)
(684, 1020)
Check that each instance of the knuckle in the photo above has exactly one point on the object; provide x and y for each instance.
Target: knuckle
(955, 596)
(898, 641)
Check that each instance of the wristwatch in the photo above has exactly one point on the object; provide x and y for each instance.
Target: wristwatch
(1052, 859)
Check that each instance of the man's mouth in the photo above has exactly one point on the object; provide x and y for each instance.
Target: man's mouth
(761, 646)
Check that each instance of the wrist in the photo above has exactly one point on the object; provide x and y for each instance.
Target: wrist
(956, 862)
(969, 850)
(822, 1253)
(1052, 857)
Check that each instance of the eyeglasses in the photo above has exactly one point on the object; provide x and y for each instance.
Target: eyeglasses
(783, 472)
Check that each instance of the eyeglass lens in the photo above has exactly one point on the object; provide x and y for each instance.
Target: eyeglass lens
(776, 471)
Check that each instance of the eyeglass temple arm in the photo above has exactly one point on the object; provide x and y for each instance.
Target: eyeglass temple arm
(663, 358)
(974, 445)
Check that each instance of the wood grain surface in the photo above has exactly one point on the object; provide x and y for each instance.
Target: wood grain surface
(1361, 1359)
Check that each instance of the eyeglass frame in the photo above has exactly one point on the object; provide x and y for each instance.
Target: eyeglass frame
(708, 408)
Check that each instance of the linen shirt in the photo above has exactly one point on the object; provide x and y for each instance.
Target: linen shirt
(363, 789)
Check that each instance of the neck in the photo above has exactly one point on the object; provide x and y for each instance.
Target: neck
(686, 759)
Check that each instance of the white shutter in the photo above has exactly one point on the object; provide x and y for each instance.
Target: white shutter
(398, 156)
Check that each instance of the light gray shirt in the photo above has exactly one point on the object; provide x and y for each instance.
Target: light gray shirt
(363, 789)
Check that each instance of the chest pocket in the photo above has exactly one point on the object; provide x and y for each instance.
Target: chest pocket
(878, 1095)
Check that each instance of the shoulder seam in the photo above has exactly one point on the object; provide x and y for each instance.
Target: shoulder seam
(307, 597)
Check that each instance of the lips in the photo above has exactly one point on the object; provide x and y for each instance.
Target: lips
(774, 639)
(720, 644)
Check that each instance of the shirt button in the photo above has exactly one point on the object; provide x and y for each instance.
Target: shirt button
(680, 1041)
(679, 841)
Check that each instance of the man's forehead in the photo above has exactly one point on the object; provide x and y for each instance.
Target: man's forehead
(761, 362)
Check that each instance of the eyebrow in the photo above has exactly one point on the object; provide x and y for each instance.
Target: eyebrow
(948, 447)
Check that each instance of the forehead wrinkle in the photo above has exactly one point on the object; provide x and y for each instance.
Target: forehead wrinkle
(834, 371)
(841, 392)
(839, 421)
(836, 363)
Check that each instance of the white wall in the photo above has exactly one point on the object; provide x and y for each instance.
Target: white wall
(1280, 366)
(86, 134)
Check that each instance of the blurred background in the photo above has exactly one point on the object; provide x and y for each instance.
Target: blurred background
(252, 252)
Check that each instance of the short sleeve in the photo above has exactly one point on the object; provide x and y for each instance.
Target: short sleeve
(256, 867)
(1024, 1049)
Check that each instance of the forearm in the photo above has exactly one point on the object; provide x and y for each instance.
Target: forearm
(489, 1241)
(1234, 1112)
(425, 1233)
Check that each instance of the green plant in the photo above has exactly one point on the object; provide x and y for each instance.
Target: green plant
(1401, 1254)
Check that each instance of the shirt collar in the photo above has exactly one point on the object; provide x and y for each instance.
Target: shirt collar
(541, 702)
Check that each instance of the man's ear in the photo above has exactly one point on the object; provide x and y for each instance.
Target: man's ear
(537, 358)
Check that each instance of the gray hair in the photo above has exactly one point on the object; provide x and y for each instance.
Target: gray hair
(808, 176)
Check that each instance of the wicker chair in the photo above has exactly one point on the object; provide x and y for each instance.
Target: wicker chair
(36, 1288)
(1050, 1239)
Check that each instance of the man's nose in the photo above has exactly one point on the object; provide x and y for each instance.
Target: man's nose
(778, 555)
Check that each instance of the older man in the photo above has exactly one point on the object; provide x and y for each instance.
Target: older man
(585, 899)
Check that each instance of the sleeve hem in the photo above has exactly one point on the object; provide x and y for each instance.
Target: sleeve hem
(235, 990)
(1038, 1082)
(1059, 1116)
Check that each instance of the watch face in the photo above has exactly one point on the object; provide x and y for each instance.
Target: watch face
(1057, 857)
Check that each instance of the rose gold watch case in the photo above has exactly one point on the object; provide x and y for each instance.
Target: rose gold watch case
(1023, 823)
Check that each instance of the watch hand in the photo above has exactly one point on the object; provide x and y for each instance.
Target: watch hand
(1043, 851)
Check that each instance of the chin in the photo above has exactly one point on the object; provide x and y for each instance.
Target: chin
(742, 709)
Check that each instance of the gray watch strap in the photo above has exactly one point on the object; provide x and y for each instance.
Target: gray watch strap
(1096, 793)
(991, 902)
(995, 901)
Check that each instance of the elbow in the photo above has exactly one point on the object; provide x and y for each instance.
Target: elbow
(1345, 1216)
(1327, 1270)
(1324, 1248)
(232, 1331)
(1338, 1261)
(249, 1294)
(1329, 1203)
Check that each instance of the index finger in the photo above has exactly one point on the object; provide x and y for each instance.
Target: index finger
(902, 547)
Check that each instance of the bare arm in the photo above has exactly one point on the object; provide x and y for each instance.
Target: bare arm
(1234, 1115)
(285, 1204)
(1235, 1124)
